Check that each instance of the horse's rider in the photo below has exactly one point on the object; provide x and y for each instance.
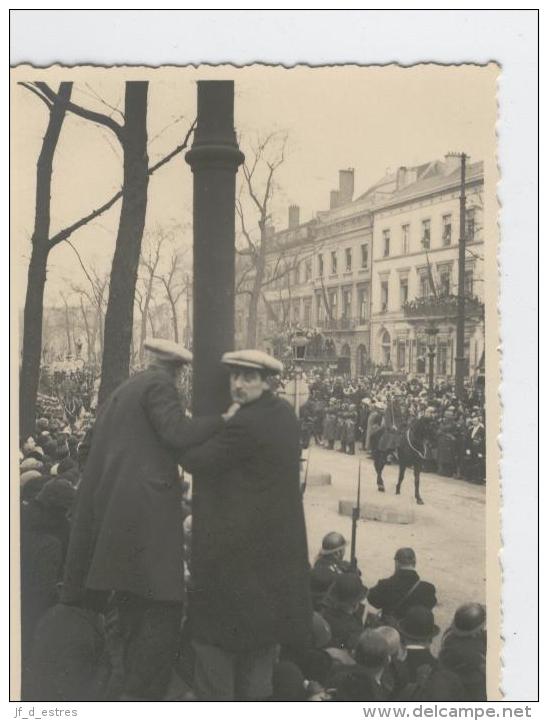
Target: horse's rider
(393, 424)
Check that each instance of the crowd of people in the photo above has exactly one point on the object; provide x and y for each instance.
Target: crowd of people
(348, 415)
(363, 644)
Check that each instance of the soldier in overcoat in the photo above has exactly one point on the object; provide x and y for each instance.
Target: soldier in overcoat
(127, 532)
(250, 561)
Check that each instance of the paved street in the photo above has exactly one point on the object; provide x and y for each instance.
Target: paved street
(448, 534)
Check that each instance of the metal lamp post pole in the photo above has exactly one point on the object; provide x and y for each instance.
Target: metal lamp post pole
(459, 355)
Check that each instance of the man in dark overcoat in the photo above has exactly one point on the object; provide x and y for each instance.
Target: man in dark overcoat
(403, 590)
(250, 565)
(127, 532)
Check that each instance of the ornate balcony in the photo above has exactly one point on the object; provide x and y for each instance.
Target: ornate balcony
(441, 308)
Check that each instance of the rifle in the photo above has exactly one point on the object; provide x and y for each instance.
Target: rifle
(355, 518)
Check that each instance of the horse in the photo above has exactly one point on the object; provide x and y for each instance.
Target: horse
(411, 448)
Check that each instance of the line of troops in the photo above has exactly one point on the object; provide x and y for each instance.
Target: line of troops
(378, 422)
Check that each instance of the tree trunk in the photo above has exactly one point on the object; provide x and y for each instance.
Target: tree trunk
(86, 329)
(251, 340)
(174, 320)
(144, 316)
(123, 277)
(36, 282)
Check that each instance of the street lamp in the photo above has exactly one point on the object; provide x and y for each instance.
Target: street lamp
(431, 331)
(299, 341)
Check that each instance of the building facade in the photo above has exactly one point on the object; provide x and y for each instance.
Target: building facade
(415, 255)
(350, 274)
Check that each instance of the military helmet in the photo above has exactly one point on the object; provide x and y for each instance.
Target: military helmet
(469, 619)
(332, 542)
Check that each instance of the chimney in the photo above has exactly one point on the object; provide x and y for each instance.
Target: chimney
(334, 199)
(401, 177)
(346, 186)
(293, 217)
(452, 163)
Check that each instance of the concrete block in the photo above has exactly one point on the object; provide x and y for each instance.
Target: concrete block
(318, 479)
(378, 512)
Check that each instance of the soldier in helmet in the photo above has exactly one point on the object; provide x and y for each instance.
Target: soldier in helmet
(331, 555)
(464, 649)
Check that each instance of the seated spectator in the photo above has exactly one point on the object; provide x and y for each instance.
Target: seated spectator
(464, 649)
(343, 610)
(321, 580)
(362, 681)
(395, 676)
(417, 630)
(403, 590)
(314, 660)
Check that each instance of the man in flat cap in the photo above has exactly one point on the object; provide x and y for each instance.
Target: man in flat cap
(127, 530)
(250, 564)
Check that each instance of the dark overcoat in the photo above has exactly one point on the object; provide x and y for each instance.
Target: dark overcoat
(127, 525)
(250, 560)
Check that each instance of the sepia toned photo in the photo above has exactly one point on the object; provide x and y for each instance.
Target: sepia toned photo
(255, 351)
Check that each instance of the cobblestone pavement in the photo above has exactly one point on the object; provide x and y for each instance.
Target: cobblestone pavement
(448, 533)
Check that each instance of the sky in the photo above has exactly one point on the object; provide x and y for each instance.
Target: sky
(369, 118)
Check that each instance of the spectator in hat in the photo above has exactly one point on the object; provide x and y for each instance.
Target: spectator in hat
(31, 464)
(31, 483)
(250, 560)
(394, 595)
(129, 500)
(417, 630)
(464, 649)
(342, 610)
(363, 680)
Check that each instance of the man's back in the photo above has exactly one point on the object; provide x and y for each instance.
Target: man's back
(404, 589)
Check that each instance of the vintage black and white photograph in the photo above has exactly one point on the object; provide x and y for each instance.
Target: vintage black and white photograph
(256, 317)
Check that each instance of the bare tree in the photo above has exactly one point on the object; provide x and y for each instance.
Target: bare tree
(174, 284)
(40, 248)
(58, 104)
(259, 170)
(150, 257)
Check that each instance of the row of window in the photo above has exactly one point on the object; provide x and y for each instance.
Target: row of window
(295, 275)
(426, 233)
(302, 272)
(444, 287)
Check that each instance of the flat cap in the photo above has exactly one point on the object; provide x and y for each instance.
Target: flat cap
(168, 351)
(252, 359)
(31, 464)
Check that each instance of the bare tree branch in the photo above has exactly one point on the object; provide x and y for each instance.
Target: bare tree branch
(92, 115)
(38, 94)
(70, 229)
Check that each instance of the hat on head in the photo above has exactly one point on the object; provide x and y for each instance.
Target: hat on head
(418, 624)
(469, 619)
(57, 493)
(42, 424)
(252, 359)
(405, 556)
(28, 476)
(168, 351)
(332, 542)
(348, 588)
(31, 464)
